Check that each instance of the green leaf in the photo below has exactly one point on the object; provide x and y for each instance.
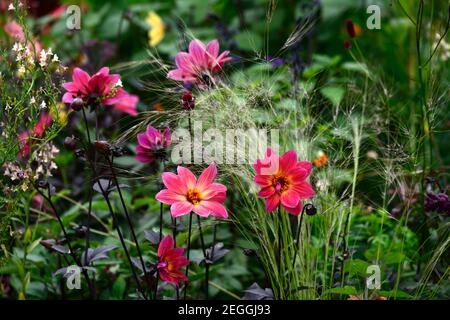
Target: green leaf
(395, 293)
(356, 267)
(356, 67)
(333, 93)
(249, 41)
(33, 245)
(118, 288)
(348, 290)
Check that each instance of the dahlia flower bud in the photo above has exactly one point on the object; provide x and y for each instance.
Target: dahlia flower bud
(188, 101)
(77, 104)
(102, 146)
(70, 143)
(310, 209)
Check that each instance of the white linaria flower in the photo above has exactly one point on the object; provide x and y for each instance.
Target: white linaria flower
(43, 105)
(11, 7)
(55, 58)
(32, 100)
(119, 83)
(43, 58)
(8, 107)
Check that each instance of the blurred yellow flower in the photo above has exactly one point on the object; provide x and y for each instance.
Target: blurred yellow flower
(59, 114)
(157, 28)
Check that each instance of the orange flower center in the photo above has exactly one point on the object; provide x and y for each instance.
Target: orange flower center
(280, 183)
(193, 196)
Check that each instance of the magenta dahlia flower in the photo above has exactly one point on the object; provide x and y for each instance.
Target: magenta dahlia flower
(102, 88)
(185, 193)
(171, 260)
(152, 144)
(200, 63)
(283, 180)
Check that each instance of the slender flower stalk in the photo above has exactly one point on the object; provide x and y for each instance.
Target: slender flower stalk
(187, 254)
(299, 230)
(280, 272)
(130, 224)
(160, 235)
(205, 256)
(110, 208)
(66, 236)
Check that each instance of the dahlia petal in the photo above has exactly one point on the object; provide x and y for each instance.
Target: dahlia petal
(142, 149)
(290, 198)
(120, 95)
(183, 62)
(296, 210)
(170, 197)
(305, 165)
(144, 141)
(288, 160)
(187, 177)
(214, 208)
(172, 182)
(304, 189)
(167, 138)
(219, 197)
(173, 277)
(128, 105)
(201, 210)
(165, 245)
(207, 177)
(223, 57)
(67, 97)
(81, 78)
(269, 165)
(212, 48)
(197, 52)
(175, 259)
(71, 87)
(144, 158)
(181, 208)
(153, 135)
(212, 190)
(178, 251)
(99, 84)
(297, 174)
(181, 75)
(103, 71)
(272, 202)
(263, 180)
(266, 192)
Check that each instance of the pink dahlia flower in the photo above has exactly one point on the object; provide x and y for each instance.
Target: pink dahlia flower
(152, 144)
(102, 87)
(283, 179)
(170, 261)
(185, 193)
(200, 63)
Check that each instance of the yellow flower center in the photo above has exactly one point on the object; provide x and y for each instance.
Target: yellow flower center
(280, 183)
(193, 196)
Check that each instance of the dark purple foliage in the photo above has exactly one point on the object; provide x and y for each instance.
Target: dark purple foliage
(4, 285)
(437, 202)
